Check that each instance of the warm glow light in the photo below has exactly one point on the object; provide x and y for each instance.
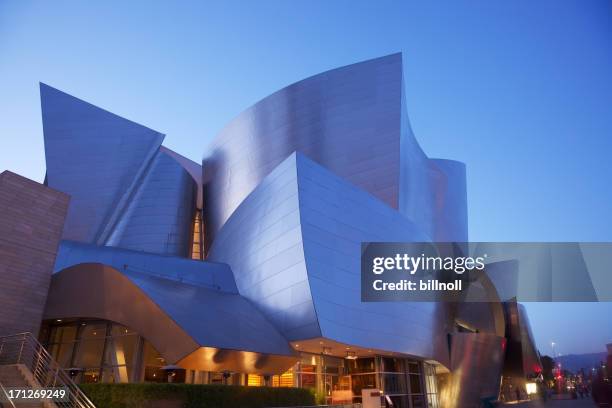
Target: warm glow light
(254, 380)
(531, 388)
(283, 380)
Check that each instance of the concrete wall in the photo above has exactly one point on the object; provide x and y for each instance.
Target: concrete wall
(31, 222)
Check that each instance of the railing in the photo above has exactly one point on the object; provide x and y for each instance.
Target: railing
(6, 397)
(25, 349)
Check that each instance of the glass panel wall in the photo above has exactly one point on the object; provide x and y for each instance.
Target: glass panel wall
(431, 386)
(197, 237)
(101, 351)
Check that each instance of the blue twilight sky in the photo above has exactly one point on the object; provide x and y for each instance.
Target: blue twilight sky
(520, 90)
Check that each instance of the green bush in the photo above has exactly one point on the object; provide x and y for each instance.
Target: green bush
(195, 396)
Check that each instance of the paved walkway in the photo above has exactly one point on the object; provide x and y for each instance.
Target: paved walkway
(579, 403)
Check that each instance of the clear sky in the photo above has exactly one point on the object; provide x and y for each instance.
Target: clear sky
(521, 91)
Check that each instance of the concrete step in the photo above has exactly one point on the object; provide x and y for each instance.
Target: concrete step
(12, 376)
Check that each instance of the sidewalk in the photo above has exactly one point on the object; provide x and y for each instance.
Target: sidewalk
(579, 403)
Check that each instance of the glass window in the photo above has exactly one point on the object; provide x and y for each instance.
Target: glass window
(63, 334)
(400, 401)
(362, 381)
(216, 378)
(361, 365)
(254, 380)
(308, 376)
(283, 380)
(120, 350)
(62, 353)
(393, 365)
(91, 375)
(414, 367)
(91, 345)
(196, 246)
(415, 384)
(395, 383)
(418, 401)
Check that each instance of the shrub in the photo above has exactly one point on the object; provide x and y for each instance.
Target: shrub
(194, 396)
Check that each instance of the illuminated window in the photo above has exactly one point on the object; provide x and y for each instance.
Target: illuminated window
(283, 380)
(255, 380)
(196, 246)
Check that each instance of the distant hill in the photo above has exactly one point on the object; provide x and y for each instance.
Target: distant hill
(574, 362)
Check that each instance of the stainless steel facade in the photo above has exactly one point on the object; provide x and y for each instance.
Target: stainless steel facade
(294, 247)
(353, 121)
(288, 190)
(125, 191)
(217, 330)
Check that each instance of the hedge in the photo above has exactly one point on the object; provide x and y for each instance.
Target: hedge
(194, 396)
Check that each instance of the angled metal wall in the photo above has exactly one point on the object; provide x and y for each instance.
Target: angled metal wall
(294, 247)
(210, 275)
(94, 156)
(190, 325)
(347, 119)
(262, 243)
(126, 191)
(159, 216)
(353, 121)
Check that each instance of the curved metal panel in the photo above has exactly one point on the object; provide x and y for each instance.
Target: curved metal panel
(476, 365)
(159, 216)
(451, 213)
(193, 168)
(335, 218)
(94, 156)
(347, 119)
(99, 291)
(523, 358)
(210, 275)
(177, 318)
(262, 243)
(294, 247)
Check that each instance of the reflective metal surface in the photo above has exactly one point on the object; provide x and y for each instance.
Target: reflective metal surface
(294, 248)
(159, 216)
(522, 357)
(125, 191)
(476, 364)
(353, 121)
(290, 189)
(94, 156)
(346, 119)
(210, 275)
(176, 317)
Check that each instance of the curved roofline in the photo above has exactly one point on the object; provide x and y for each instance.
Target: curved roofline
(101, 291)
(273, 94)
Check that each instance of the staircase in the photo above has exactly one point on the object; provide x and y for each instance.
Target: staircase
(25, 363)
(14, 376)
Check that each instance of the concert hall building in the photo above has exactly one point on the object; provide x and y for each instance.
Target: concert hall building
(245, 268)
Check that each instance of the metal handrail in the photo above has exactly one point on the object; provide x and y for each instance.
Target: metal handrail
(6, 395)
(25, 349)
